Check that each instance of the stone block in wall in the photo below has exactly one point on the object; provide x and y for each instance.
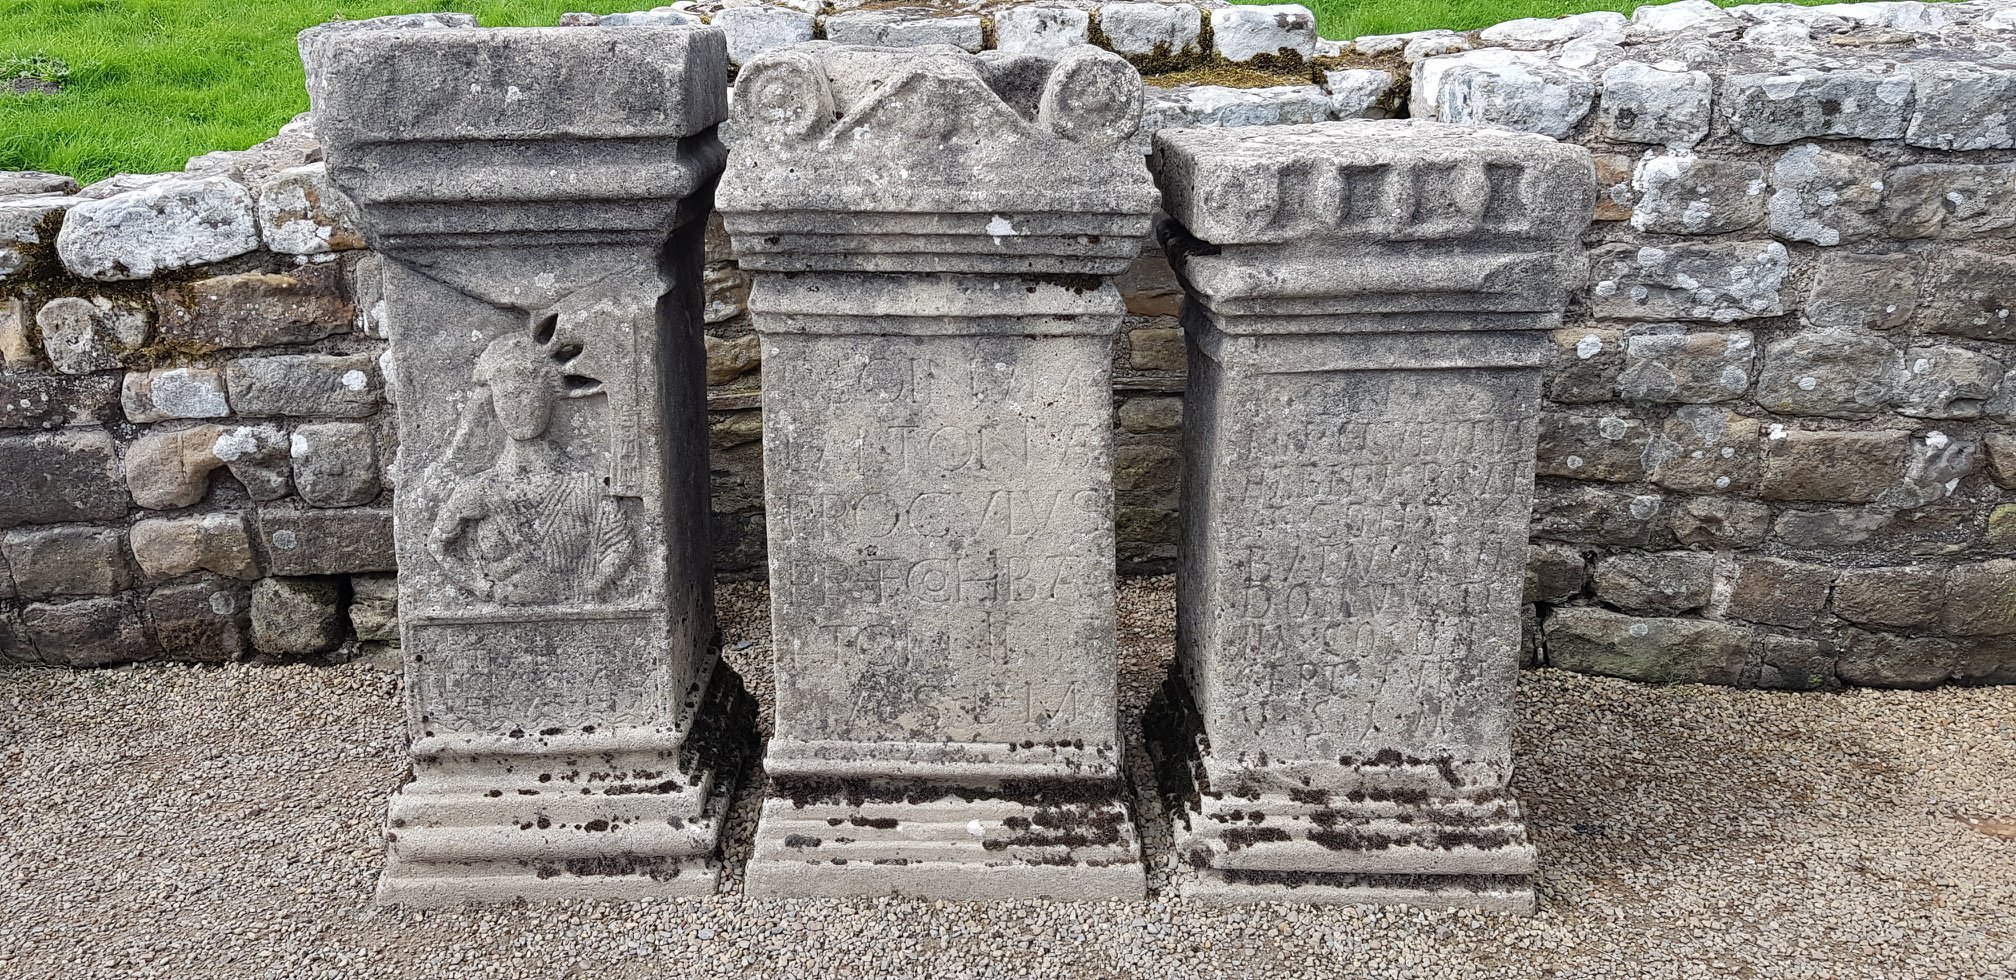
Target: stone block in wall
(1534, 33)
(1840, 467)
(207, 619)
(1644, 103)
(1689, 195)
(1836, 372)
(34, 183)
(66, 561)
(297, 615)
(731, 359)
(337, 385)
(1970, 294)
(1825, 197)
(1902, 597)
(302, 213)
(1878, 291)
(1719, 522)
(1609, 448)
(1615, 196)
(1947, 383)
(1156, 349)
(1042, 31)
(1665, 651)
(1214, 106)
(753, 30)
(28, 230)
(1810, 103)
(173, 224)
(327, 542)
(62, 476)
(374, 608)
(1555, 572)
(1980, 599)
(1139, 470)
(1875, 659)
(1825, 530)
(1587, 513)
(2001, 532)
(255, 309)
(1657, 20)
(1999, 448)
(335, 463)
(904, 28)
(1962, 106)
(1162, 30)
(1719, 282)
(81, 335)
(1705, 449)
(174, 393)
(169, 468)
(89, 632)
(33, 400)
(1587, 361)
(1778, 591)
(1664, 583)
(1947, 200)
(1151, 413)
(1686, 367)
(169, 547)
(1525, 94)
(1936, 464)
(1283, 31)
(16, 352)
(260, 457)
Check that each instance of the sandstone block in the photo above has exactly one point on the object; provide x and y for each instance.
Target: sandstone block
(335, 463)
(1824, 197)
(174, 393)
(1555, 572)
(327, 542)
(1807, 103)
(207, 620)
(1582, 447)
(1719, 522)
(1702, 449)
(1962, 106)
(731, 359)
(1661, 651)
(297, 615)
(1971, 294)
(1615, 196)
(374, 608)
(1841, 373)
(1139, 30)
(342, 386)
(1943, 200)
(1646, 104)
(169, 225)
(1662, 583)
(28, 230)
(1902, 597)
(2000, 450)
(1845, 467)
(63, 476)
(83, 335)
(1686, 367)
(89, 632)
(1947, 383)
(1778, 591)
(1719, 282)
(1686, 195)
(255, 309)
(169, 547)
(1587, 361)
(43, 401)
(170, 468)
(1589, 514)
(1151, 414)
(66, 561)
(16, 352)
(259, 456)
(1853, 290)
(1980, 599)
(302, 213)
(1156, 349)
(1874, 659)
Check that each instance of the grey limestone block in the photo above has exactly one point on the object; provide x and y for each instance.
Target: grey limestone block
(1140, 30)
(173, 224)
(1718, 282)
(1962, 106)
(297, 615)
(1358, 485)
(34, 400)
(68, 475)
(1644, 103)
(174, 393)
(81, 335)
(206, 618)
(537, 198)
(938, 463)
(1689, 195)
(905, 27)
(753, 30)
(338, 385)
(1660, 583)
(1044, 31)
(28, 230)
(34, 183)
(1278, 31)
(335, 463)
(302, 213)
(1805, 103)
(1824, 197)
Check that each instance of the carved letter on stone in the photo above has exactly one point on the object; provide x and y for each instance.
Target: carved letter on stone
(538, 196)
(938, 472)
(1367, 307)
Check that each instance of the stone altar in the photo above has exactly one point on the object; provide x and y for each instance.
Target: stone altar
(1367, 313)
(933, 235)
(539, 198)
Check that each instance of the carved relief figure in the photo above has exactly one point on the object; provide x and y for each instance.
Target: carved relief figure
(538, 527)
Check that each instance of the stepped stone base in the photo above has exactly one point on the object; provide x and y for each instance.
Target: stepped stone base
(944, 845)
(1502, 894)
(625, 813)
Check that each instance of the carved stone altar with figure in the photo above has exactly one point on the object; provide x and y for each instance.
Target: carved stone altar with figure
(1367, 313)
(933, 236)
(539, 197)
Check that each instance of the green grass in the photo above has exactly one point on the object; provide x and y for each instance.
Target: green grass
(149, 83)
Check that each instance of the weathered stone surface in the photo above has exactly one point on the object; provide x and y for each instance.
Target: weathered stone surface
(1687, 195)
(17, 353)
(1207, 106)
(168, 547)
(207, 620)
(755, 29)
(1655, 20)
(1042, 31)
(1778, 591)
(165, 226)
(1529, 96)
(1980, 599)
(1805, 103)
(1853, 290)
(1720, 282)
(66, 561)
(1615, 198)
(1941, 200)
(1947, 383)
(1664, 583)
(83, 335)
(297, 615)
(1582, 447)
(1588, 514)
(1971, 294)
(42, 401)
(549, 372)
(259, 456)
(731, 359)
(255, 309)
(1662, 651)
(1703, 449)
(1531, 33)
(1139, 30)
(89, 632)
(1555, 572)
(904, 28)
(343, 386)
(2000, 450)
(28, 230)
(168, 468)
(374, 608)
(1875, 659)
(1686, 367)
(1278, 31)
(1841, 373)
(1151, 414)
(335, 463)
(174, 393)
(1844, 467)
(1719, 522)
(31, 183)
(61, 476)
(1156, 349)
(1902, 597)
(655, 17)
(1824, 197)
(302, 213)
(1962, 106)
(1587, 361)
(1644, 103)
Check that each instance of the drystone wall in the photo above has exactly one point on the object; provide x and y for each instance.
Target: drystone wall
(1776, 447)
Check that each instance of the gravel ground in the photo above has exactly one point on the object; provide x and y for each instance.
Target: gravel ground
(199, 822)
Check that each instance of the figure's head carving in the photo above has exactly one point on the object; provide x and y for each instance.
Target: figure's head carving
(526, 375)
